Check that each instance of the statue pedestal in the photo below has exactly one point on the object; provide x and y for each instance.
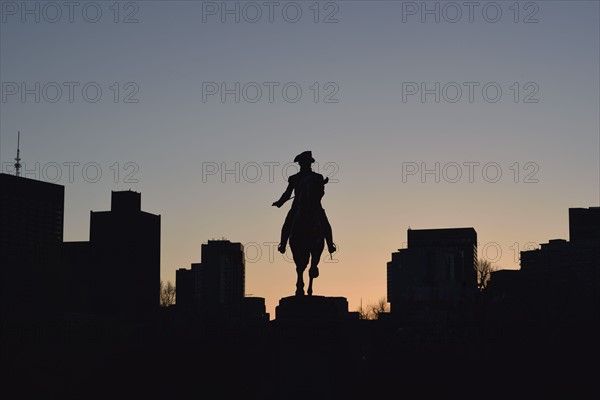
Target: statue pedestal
(313, 308)
(312, 344)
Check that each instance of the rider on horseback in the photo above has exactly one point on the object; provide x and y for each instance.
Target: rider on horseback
(295, 181)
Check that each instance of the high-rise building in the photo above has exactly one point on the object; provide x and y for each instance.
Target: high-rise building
(31, 234)
(124, 253)
(560, 280)
(184, 282)
(421, 275)
(218, 281)
(437, 268)
(584, 225)
(462, 241)
(564, 271)
(579, 252)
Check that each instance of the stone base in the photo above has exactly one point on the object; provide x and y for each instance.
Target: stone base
(312, 308)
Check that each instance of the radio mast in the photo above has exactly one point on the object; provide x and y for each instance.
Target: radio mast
(18, 158)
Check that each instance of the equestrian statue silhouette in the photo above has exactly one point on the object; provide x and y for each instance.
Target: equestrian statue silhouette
(306, 226)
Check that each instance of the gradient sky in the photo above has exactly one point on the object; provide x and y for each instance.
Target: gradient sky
(367, 61)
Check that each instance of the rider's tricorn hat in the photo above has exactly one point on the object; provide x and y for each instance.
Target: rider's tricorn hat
(305, 156)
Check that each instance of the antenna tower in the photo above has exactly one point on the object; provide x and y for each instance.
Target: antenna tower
(18, 158)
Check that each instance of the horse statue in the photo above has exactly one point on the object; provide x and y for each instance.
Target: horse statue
(307, 237)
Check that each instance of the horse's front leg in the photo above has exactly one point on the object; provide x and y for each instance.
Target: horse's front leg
(313, 272)
(300, 281)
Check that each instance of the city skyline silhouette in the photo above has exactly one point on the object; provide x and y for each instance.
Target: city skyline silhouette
(157, 143)
(437, 310)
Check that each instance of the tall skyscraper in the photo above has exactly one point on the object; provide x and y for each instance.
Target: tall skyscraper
(31, 234)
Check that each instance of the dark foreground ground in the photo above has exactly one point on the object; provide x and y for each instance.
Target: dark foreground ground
(173, 356)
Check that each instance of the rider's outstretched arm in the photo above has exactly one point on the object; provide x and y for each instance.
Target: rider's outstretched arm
(285, 196)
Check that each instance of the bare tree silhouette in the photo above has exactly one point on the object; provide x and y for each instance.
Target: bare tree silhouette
(373, 311)
(380, 307)
(484, 270)
(168, 293)
(364, 312)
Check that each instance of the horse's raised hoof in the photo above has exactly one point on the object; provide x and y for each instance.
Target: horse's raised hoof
(313, 272)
